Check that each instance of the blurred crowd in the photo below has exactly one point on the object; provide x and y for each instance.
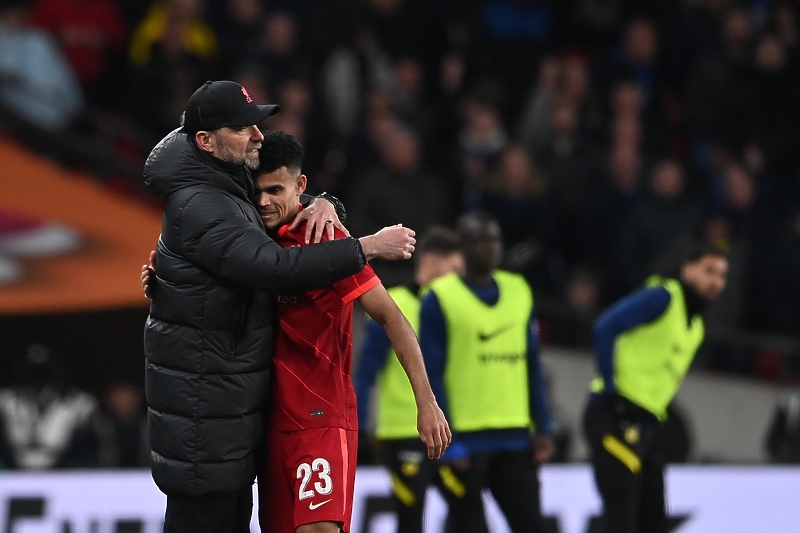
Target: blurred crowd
(603, 134)
(46, 422)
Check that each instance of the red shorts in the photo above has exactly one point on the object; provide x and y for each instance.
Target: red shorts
(309, 477)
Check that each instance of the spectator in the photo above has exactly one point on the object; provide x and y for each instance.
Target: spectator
(239, 24)
(480, 141)
(400, 192)
(46, 422)
(123, 428)
(172, 52)
(91, 33)
(660, 225)
(517, 197)
(37, 84)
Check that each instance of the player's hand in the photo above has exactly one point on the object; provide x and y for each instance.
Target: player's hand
(433, 429)
(148, 271)
(321, 217)
(543, 448)
(390, 243)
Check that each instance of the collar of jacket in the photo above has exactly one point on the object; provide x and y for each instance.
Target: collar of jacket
(176, 163)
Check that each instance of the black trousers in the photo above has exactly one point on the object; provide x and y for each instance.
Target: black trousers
(412, 472)
(223, 515)
(628, 465)
(512, 478)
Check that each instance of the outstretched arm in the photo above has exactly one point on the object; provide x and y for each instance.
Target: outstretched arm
(431, 423)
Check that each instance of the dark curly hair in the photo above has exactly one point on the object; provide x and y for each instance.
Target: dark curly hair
(279, 149)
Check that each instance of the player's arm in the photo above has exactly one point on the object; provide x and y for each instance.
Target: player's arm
(630, 312)
(543, 446)
(431, 423)
(374, 353)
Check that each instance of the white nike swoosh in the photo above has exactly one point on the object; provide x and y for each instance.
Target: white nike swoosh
(312, 505)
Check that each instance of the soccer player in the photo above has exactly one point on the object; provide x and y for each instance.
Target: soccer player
(644, 345)
(308, 480)
(437, 253)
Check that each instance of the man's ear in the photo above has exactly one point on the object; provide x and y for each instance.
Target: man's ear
(204, 141)
(302, 181)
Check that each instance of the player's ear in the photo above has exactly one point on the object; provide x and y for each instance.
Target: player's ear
(204, 141)
(302, 181)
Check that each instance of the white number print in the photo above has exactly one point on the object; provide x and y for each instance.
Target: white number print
(323, 469)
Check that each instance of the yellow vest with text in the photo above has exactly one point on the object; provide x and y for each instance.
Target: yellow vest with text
(651, 360)
(397, 410)
(486, 374)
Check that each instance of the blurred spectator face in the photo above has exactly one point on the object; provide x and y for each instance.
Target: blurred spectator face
(408, 77)
(402, 152)
(13, 17)
(453, 69)
(381, 121)
(575, 81)
(279, 34)
(245, 12)
(582, 292)
(737, 29)
(627, 131)
(625, 166)
(770, 55)
(641, 42)
(564, 120)
(291, 124)
(186, 9)
(549, 73)
(786, 24)
(627, 100)
(481, 117)
(517, 174)
(739, 188)
(385, 7)
(707, 275)
(295, 97)
(718, 231)
(124, 401)
(253, 79)
(668, 180)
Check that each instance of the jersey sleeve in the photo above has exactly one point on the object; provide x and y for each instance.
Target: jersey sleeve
(352, 287)
(349, 288)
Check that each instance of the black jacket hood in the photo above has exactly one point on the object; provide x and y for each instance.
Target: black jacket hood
(176, 163)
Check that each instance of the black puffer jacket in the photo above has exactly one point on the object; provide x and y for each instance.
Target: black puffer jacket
(209, 336)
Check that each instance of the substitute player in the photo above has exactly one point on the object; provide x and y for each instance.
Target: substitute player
(308, 480)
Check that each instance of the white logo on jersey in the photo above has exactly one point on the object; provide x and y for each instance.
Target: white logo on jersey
(312, 505)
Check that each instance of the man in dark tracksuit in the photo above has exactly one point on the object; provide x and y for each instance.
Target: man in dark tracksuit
(480, 343)
(209, 337)
(644, 345)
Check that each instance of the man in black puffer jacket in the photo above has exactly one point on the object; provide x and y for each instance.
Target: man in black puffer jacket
(209, 336)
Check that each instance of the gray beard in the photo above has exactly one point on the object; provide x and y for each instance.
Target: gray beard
(226, 154)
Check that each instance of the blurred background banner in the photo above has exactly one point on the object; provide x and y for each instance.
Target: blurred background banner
(68, 243)
(702, 499)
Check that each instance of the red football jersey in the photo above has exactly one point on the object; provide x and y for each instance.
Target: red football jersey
(314, 351)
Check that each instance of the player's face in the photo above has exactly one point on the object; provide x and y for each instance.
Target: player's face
(707, 275)
(434, 265)
(238, 145)
(278, 196)
(483, 247)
